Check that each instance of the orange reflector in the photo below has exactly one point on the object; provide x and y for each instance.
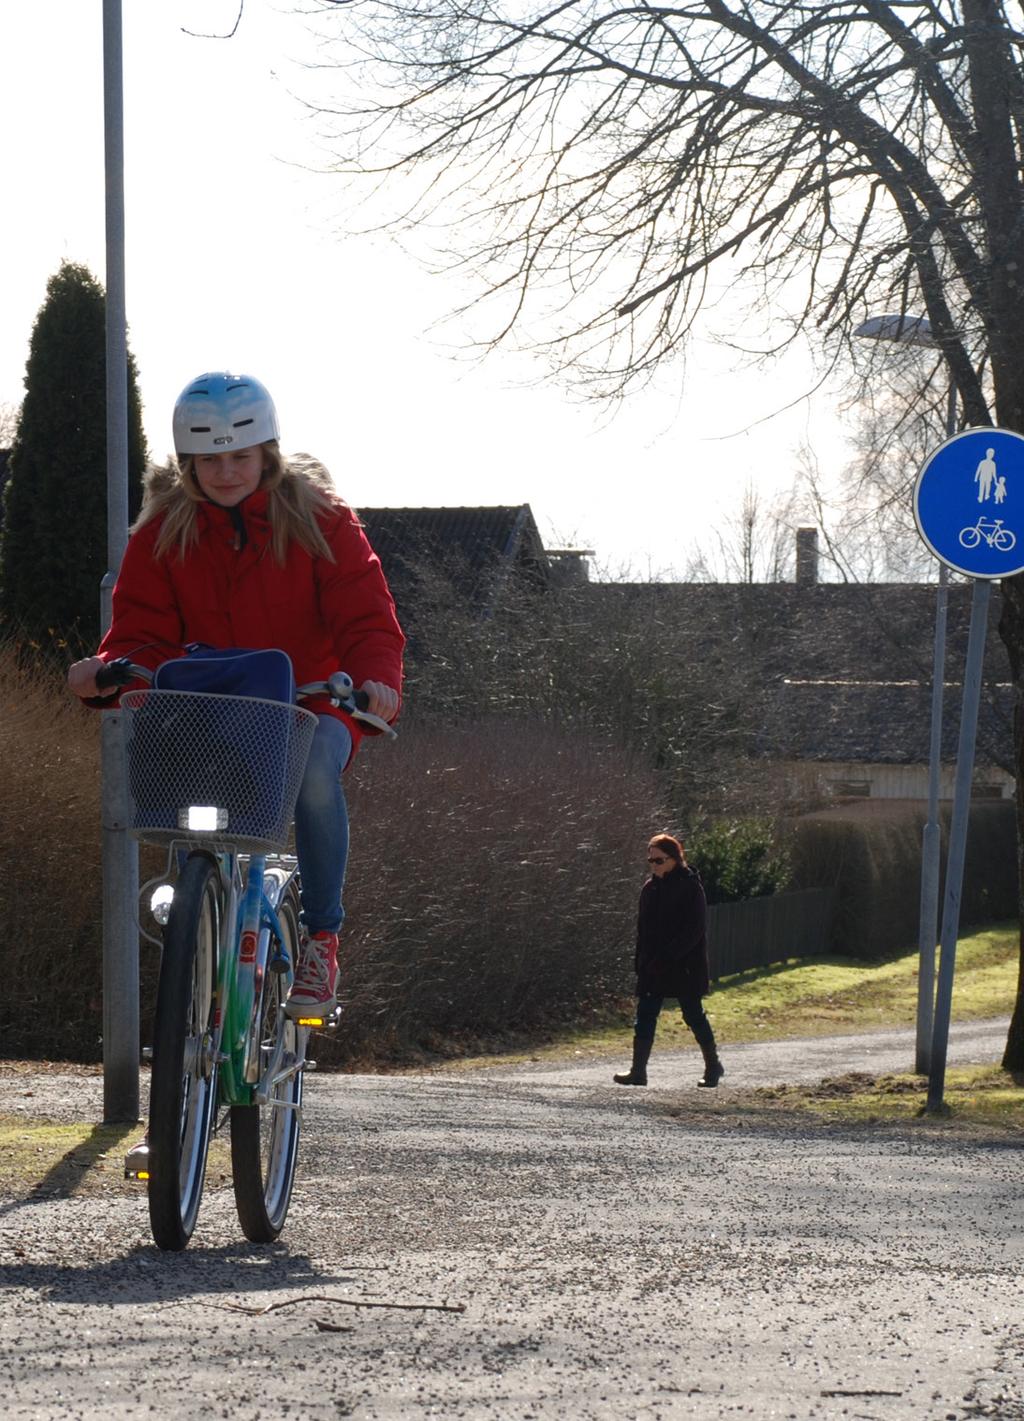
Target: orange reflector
(310, 1021)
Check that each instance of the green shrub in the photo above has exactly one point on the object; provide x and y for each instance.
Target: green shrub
(871, 853)
(738, 859)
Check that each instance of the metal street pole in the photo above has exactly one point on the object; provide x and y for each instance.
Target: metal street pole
(928, 921)
(120, 856)
(958, 838)
(928, 918)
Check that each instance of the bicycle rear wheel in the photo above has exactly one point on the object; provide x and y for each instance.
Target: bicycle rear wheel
(183, 1088)
(265, 1138)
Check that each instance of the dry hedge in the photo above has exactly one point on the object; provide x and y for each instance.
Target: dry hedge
(491, 885)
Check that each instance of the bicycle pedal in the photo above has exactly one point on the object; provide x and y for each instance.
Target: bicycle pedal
(324, 1021)
(278, 965)
(136, 1162)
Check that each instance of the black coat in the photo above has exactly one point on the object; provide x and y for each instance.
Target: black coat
(671, 936)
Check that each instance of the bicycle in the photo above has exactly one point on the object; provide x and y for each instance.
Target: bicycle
(228, 903)
(995, 535)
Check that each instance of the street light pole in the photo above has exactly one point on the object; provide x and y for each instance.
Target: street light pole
(916, 330)
(120, 857)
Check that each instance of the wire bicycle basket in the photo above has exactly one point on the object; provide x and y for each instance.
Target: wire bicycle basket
(213, 769)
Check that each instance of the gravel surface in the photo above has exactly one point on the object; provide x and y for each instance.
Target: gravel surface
(547, 1246)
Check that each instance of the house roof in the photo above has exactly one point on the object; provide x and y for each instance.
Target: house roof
(872, 632)
(470, 544)
(887, 723)
(845, 669)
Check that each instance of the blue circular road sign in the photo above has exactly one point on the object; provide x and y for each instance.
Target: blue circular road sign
(969, 502)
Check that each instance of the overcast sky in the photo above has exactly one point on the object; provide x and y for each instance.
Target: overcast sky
(237, 258)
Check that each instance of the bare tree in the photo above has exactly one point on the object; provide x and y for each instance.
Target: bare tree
(8, 424)
(605, 164)
(754, 544)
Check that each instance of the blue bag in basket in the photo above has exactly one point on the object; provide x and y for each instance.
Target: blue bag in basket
(232, 672)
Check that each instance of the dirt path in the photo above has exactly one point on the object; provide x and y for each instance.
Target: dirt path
(607, 1253)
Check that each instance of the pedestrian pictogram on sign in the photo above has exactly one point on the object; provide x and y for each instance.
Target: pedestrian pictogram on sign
(969, 502)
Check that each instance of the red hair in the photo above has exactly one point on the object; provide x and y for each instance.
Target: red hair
(669, 846)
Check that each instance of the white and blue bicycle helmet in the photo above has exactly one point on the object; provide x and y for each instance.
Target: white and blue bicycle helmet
(220, 411)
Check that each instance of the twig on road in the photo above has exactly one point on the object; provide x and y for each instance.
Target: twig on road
(858, 1391)
(345, 1302)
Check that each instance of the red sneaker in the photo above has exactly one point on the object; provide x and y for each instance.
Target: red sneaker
(314, 990)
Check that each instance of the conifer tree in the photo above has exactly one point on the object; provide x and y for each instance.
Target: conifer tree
(53, 548)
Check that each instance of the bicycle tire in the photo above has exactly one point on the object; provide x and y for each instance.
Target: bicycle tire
(970, 537)
(265, 1138)
(183, 1087)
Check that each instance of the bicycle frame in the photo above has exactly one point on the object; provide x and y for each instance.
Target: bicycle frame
(253, 892)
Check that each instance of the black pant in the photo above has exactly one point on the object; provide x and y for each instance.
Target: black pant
(648, 1009)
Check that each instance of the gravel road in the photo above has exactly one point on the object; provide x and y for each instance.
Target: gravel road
(536, 1243)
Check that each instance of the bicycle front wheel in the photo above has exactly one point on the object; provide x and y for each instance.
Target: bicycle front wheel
(265, 1137)
(183, 1088)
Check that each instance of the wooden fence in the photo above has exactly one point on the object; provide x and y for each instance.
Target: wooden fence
(760, 931)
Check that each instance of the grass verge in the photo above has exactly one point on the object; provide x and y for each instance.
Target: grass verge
(985, 1096)
(980, 1102)
(48, 1159)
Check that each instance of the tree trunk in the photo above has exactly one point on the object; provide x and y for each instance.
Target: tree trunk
(1011, 629)
(994, 79)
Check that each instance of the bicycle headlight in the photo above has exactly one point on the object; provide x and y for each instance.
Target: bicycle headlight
(202, 818)
(160, 903)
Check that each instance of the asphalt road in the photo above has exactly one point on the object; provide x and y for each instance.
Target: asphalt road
(537, 1243)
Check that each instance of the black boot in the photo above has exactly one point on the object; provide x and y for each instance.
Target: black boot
(713, 1068)
(637, 1074)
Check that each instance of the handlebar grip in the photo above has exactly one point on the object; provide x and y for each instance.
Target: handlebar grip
(360, 700)
(114, 674)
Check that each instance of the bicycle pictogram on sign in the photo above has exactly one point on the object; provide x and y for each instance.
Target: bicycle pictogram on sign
(993, 532)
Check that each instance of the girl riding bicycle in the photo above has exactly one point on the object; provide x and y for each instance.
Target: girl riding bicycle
(240, 547)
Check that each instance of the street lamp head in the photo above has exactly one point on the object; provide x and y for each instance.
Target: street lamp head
(910, 330)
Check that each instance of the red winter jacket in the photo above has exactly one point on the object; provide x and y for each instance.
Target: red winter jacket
(229, 591)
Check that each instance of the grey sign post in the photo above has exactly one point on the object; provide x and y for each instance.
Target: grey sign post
(120, 857)
(969, 509)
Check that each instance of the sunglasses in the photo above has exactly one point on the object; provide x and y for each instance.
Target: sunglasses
(656, 860)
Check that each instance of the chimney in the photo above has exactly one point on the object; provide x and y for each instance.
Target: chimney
(806, 557)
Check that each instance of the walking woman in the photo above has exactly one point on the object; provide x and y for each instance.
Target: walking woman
(671, 957)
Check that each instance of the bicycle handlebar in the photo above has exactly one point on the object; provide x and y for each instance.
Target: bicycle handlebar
(338, 688)
(119, 673)
(342, 692)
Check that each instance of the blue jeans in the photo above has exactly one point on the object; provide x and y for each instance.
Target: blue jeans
(321, 827)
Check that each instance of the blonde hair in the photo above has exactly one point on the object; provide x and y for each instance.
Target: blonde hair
(298, 489)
